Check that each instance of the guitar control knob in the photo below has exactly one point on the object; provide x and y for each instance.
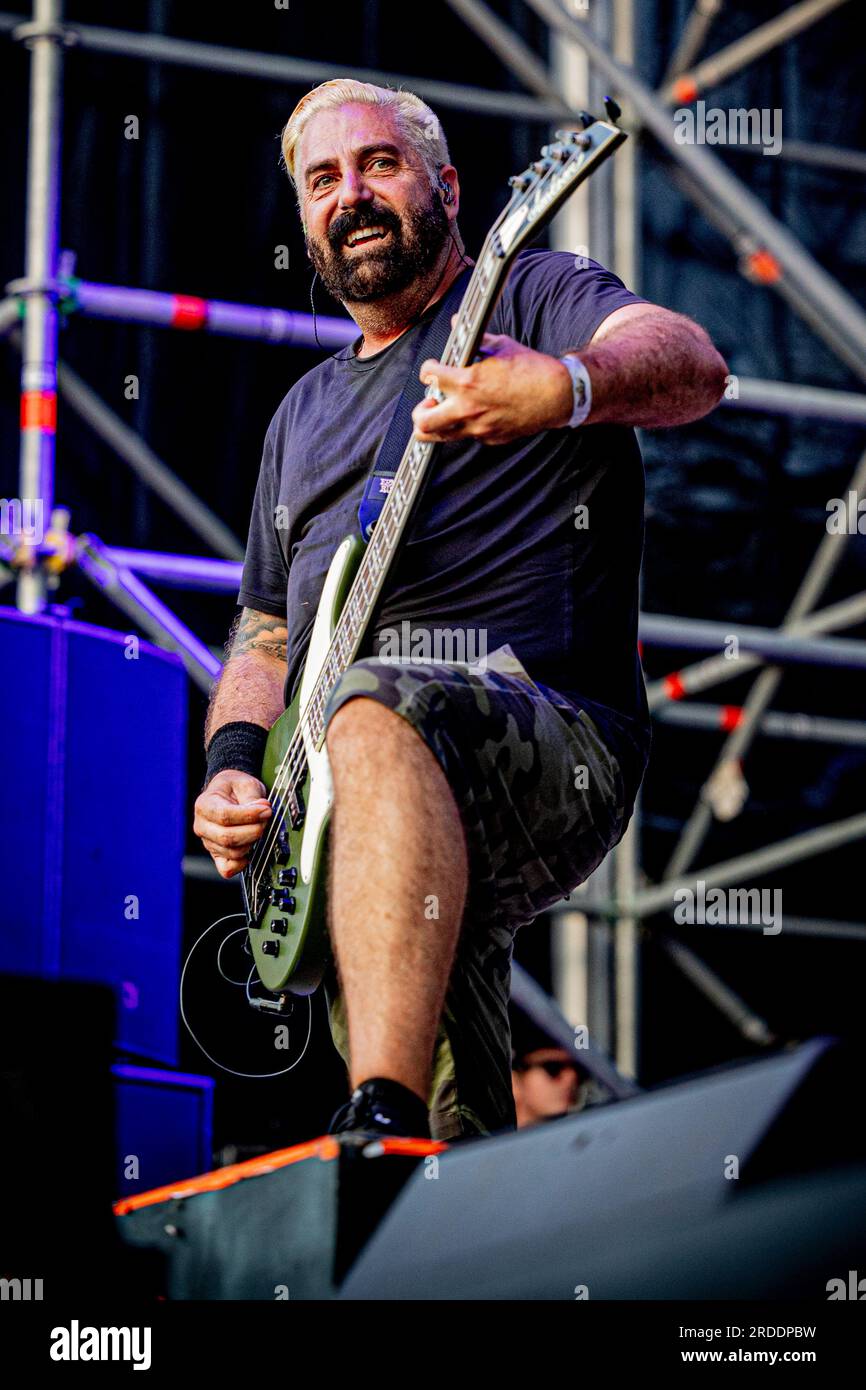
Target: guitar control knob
(270, 947)
(280, 926)
(287, 877)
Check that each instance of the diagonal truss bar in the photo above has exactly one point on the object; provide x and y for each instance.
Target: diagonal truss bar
(747, 1023)
(546, 1013)
(820, 571)
(143, 461)
(770, 857)
(759, 269)
(718, 669)
(131, 596)
(508, 46)
(746, 50)
(813, 285)
(693, 37)
(10, 315)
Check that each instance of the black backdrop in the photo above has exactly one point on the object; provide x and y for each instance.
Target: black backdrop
(735, 503)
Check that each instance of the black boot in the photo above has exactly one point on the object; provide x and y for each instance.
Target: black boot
(379, 1107)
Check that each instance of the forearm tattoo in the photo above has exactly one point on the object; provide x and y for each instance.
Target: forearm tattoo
(258, 632)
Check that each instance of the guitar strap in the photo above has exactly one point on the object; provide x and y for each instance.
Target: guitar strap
(431, 343)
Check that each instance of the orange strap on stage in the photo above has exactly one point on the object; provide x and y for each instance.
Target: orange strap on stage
(325, 1148)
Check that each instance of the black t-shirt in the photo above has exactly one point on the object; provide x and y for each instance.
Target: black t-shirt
(537, 543)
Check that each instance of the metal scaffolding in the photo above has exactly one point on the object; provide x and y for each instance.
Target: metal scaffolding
(610, 908)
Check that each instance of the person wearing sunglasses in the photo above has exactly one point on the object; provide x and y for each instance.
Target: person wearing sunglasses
(546, 1080)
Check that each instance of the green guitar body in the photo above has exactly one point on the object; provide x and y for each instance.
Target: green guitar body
(286, 912)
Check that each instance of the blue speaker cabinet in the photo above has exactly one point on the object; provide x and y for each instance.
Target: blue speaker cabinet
(92, 817)
(164, 1127)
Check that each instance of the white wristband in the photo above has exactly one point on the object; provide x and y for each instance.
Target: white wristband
(582, 387)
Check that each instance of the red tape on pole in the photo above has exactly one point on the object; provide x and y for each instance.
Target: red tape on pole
(39, 411)
(674, 688)
(730, 716)
(188, 312)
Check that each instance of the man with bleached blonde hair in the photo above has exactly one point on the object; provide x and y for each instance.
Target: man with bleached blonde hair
(466, 800)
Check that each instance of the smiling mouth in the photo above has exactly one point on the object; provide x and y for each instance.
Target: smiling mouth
(365, 236)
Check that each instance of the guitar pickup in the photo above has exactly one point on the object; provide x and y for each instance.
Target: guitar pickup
(296, 809)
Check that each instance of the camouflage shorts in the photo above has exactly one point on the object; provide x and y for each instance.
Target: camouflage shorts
(541, 801)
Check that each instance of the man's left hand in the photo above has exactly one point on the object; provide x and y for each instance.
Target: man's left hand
(511, 392)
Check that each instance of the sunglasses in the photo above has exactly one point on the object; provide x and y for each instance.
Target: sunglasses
(553, 1068)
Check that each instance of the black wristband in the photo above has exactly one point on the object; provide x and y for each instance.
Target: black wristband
(239, 746)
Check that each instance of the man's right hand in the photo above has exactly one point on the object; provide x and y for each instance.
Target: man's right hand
(230, 815)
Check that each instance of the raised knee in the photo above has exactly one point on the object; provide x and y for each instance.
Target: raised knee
(359, 722)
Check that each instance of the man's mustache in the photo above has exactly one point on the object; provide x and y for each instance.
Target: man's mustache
(354, 221)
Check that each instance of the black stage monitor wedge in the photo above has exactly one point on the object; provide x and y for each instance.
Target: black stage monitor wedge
(746, 1182)
(57, 1150)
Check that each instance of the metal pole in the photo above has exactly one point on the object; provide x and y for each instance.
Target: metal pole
(816, 579)
(793, 926)
(786, 398)
(151, 614)
(141, 458)
(743, 51)
(805, 926)
(776, 856)
(39, 355)
(188, 312)
(692, 39)
(531, 998)
(805, 727)
(758, 268)
(627, 941)
(718, 669)
(822, 156)
(181, 571)
(501, 39)
(626, 871)
(813, 284)
(658, 631)
(747, 1023)
(294, 72)
(10, 315)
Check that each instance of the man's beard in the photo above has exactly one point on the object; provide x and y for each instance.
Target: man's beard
(381, 269)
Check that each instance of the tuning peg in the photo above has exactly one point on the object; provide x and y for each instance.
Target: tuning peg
(613, 109)
(586, 120)
(521, 181)
(555, 152)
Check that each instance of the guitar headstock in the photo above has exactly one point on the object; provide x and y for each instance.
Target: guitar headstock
(541, 189)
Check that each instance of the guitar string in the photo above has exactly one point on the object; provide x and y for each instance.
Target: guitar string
(294, 757)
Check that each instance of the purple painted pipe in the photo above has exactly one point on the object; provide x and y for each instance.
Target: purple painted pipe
(209, 315)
